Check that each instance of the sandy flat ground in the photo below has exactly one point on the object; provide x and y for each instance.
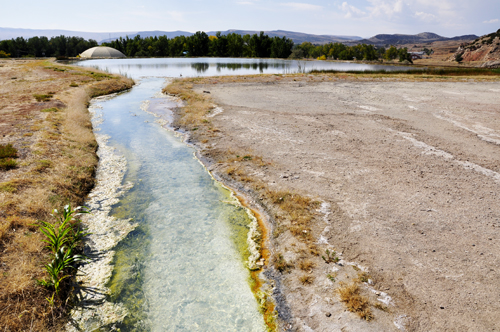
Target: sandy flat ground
(414, 171)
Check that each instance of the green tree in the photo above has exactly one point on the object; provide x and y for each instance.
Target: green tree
(404, 55)
(198, 44)
(235, 45)
(391, 53)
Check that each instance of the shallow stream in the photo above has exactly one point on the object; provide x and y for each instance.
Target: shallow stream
(171, 242)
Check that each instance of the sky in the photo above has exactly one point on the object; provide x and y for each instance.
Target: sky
(364, 18)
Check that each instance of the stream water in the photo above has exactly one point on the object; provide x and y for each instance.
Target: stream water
(182, 267)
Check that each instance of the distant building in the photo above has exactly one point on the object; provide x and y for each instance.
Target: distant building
(417, 55)
(101, 52)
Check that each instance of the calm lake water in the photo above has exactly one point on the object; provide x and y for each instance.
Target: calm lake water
(174, 67)
(183, 267)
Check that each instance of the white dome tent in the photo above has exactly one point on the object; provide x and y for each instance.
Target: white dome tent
(102, 52)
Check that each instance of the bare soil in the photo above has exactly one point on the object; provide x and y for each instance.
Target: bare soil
(408, 174)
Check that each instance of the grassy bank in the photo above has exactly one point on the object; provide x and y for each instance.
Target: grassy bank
(44, 107)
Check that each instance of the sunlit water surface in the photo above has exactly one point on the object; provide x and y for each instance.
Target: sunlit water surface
(182, 269)
(175, 67)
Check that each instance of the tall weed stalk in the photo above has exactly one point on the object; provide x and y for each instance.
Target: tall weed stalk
(63, 239)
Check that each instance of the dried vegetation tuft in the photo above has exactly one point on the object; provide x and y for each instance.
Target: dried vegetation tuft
(350, 294)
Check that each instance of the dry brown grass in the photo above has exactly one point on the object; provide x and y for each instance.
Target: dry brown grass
(350, 294)
(281, 264)
(306, 279)
(307, 265)
(197, 106)
(296, 212)
(57, 166)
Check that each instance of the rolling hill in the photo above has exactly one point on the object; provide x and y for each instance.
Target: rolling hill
(400, 39)
(100, 37)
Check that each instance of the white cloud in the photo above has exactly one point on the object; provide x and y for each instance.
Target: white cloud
(351, 11)
(495, 20)
(301, 6)
(426, 17)
(385, 8)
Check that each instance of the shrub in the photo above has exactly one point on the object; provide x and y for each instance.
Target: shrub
(4, 55)
(7, 163)
(8, 151)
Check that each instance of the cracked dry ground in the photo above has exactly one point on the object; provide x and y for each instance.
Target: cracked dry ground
(412, 173)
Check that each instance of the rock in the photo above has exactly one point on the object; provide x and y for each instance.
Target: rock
(491, 64)
(328, 314)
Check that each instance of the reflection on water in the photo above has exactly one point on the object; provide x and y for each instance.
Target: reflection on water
(175, 67)
(202, 67)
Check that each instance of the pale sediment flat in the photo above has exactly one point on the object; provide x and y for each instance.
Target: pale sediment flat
(412, 173)
(106, 231)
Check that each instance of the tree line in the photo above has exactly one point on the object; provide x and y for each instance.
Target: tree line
(339, 51)
(45, 47)
(201, 45)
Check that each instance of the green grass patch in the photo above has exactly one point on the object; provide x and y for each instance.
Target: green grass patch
(8, 151)
(73, 85)
(42, 165)
(40, 97)
(7, 163)
(52, 109)
(99, 76)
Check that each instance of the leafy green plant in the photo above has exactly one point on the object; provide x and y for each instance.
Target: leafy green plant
(363, 277)
(62, 239)
(331, 257)
(64, 259)
(332, 276)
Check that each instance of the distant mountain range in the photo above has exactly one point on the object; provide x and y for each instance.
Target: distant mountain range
(398, 39)
(101, 37)
(9, 33)
(297, 37)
